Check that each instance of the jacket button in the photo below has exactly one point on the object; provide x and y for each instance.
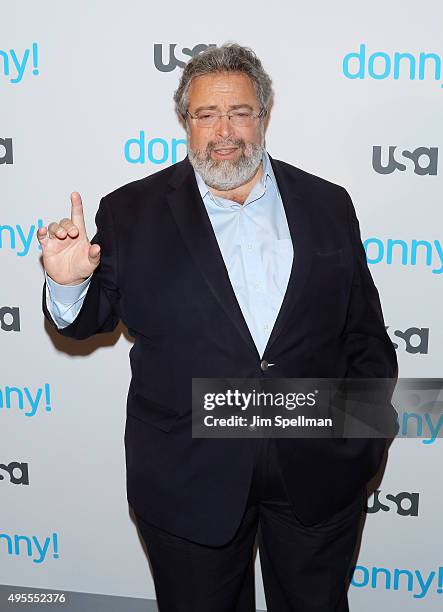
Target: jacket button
(264, 365)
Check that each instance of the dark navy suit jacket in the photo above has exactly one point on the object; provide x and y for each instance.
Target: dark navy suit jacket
(163, 275)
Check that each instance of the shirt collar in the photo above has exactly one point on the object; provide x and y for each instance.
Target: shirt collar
(267, 172)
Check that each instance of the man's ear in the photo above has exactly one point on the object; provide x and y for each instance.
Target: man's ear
(267, 116)
(182, 121)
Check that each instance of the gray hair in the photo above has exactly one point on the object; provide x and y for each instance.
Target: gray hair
(230, 57)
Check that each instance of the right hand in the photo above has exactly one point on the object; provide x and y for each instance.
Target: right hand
(68, 256)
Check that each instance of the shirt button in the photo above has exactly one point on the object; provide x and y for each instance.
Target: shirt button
(264, 365)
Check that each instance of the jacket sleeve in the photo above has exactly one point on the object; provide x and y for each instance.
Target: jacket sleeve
(369, 349)
(100, 311)
(370, 353)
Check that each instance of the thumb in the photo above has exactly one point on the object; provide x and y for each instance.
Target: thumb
(94, 254)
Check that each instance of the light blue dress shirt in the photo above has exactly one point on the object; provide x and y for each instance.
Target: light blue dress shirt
(255, 244)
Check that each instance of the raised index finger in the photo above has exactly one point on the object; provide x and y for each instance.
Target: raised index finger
(77, 212)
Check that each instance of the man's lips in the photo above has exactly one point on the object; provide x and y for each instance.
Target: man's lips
(225, 150)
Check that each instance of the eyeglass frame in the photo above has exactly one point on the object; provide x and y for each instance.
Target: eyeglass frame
(260, 115)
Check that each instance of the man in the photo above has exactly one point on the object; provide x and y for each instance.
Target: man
(230, 265)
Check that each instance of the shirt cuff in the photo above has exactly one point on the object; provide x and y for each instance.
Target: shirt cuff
(66, 294)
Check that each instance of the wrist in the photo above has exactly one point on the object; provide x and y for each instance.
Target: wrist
(75, 283)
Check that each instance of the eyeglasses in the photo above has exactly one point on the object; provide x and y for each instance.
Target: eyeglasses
(238, 118)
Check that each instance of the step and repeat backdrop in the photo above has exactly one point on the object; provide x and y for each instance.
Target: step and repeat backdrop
(86, 105)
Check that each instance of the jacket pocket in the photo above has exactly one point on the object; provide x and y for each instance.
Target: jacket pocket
(336, 253)
(147, 410)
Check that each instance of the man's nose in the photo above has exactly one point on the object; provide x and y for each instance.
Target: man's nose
(224, 126)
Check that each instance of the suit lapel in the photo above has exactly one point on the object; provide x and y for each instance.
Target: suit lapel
(196, 229)
(296, 204)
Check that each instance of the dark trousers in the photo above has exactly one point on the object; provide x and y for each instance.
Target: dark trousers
(304, 569)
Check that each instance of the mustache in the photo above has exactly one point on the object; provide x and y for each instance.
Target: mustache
(229, 142)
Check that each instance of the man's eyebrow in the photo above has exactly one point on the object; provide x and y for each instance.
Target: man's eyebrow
(236, 106)
(232, 107)
(200, 108)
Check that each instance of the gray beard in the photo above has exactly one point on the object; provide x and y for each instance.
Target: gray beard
(225, 174)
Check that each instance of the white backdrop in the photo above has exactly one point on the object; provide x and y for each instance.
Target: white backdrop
(78, 80)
